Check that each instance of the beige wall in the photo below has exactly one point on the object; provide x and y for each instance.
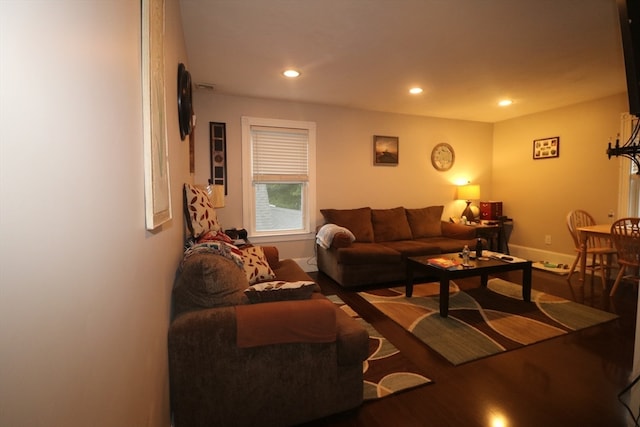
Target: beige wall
(84, 288)
(538, 194)
(346, 175)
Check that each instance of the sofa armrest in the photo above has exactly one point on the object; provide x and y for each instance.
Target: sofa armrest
(306, 321)
(457, 231)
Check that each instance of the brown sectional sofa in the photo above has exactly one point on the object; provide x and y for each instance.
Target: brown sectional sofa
(232, 363)
(384, 238)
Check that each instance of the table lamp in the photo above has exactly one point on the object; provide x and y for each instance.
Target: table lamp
(468, 193)
(215, 194)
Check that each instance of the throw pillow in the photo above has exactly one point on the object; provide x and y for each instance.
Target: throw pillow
(256, 266)
(201, 215)
(390, 225)
(279, 291)
(358, 221)
(425, 222)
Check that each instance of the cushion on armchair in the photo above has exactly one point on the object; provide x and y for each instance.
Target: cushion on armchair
(200, 214)
(208, 281)
(279, 291)
(256, 265)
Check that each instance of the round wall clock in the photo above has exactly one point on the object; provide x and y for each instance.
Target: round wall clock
(185, 109)
(442, 156)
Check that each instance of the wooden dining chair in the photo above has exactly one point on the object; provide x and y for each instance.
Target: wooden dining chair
(625, 234)
(600, 250)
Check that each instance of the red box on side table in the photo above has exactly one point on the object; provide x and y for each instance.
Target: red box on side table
(490, 210)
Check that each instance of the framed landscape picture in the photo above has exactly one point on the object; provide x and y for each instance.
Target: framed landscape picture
(546, 148)
(385, 150)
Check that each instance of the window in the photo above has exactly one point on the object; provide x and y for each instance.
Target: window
(278, 163)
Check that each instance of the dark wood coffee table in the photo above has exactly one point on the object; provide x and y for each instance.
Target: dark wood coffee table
(482, 268)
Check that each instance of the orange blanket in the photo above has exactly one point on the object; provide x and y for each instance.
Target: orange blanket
(307, 321)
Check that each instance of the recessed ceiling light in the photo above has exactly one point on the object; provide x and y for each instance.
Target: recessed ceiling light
(505, 102)
(291, 73)
(415, 90)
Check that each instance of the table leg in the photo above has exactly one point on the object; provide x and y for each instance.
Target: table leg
(583, 256)
(444, 297)
(408, 290)
(526, 283)
(484, 279)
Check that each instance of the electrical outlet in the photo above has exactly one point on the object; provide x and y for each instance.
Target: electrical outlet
(547, 239)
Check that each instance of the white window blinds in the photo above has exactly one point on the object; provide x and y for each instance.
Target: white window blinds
(279, 154)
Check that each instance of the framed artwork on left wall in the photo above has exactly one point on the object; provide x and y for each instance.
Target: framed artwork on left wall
(156, 149)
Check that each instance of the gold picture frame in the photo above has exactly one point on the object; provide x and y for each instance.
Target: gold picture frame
(156, 148)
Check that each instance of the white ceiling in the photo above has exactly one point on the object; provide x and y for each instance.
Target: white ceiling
(466, 54)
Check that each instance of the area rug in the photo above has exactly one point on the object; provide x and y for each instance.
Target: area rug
(386, 371)
(483, 322)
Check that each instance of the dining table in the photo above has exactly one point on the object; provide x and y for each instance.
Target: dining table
(597, 230)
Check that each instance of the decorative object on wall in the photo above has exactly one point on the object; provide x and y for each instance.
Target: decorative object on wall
(443, 156)
(546, 148)
(630, 149)
(156, 149)
(468, 193)
(185, 107)
(218, 154)
(385, 150)
(192, 152)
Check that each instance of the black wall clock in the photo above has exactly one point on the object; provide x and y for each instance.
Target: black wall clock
(185, 109)
(442, 156)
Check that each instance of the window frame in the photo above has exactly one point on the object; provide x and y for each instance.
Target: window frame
(627, 181)
(248, 190)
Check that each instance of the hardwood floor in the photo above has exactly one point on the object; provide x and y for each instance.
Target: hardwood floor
(572, 380)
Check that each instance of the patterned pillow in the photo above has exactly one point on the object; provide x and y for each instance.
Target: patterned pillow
(201, 215)
(256, 266)
(279, 291)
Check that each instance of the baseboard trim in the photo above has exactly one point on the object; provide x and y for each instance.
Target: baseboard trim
(309, 265)
(534, 254)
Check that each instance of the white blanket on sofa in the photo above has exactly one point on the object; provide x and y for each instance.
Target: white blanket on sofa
(326, 233)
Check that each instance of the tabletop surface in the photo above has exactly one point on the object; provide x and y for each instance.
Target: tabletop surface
(598, 228)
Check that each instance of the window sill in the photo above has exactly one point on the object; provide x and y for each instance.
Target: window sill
(282, 238)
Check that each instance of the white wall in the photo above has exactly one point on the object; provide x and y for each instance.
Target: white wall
(84, 288)
(346, 175)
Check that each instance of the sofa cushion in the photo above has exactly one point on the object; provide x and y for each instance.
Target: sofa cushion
(279, 291)
(256, 266)
(207, 281)
(358, 221)
(409, 248)
(368, 253)
(390, 224)
(448, 245)
(200, 214)
(425, 222)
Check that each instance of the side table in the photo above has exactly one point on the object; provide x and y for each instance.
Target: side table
(496, 232)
